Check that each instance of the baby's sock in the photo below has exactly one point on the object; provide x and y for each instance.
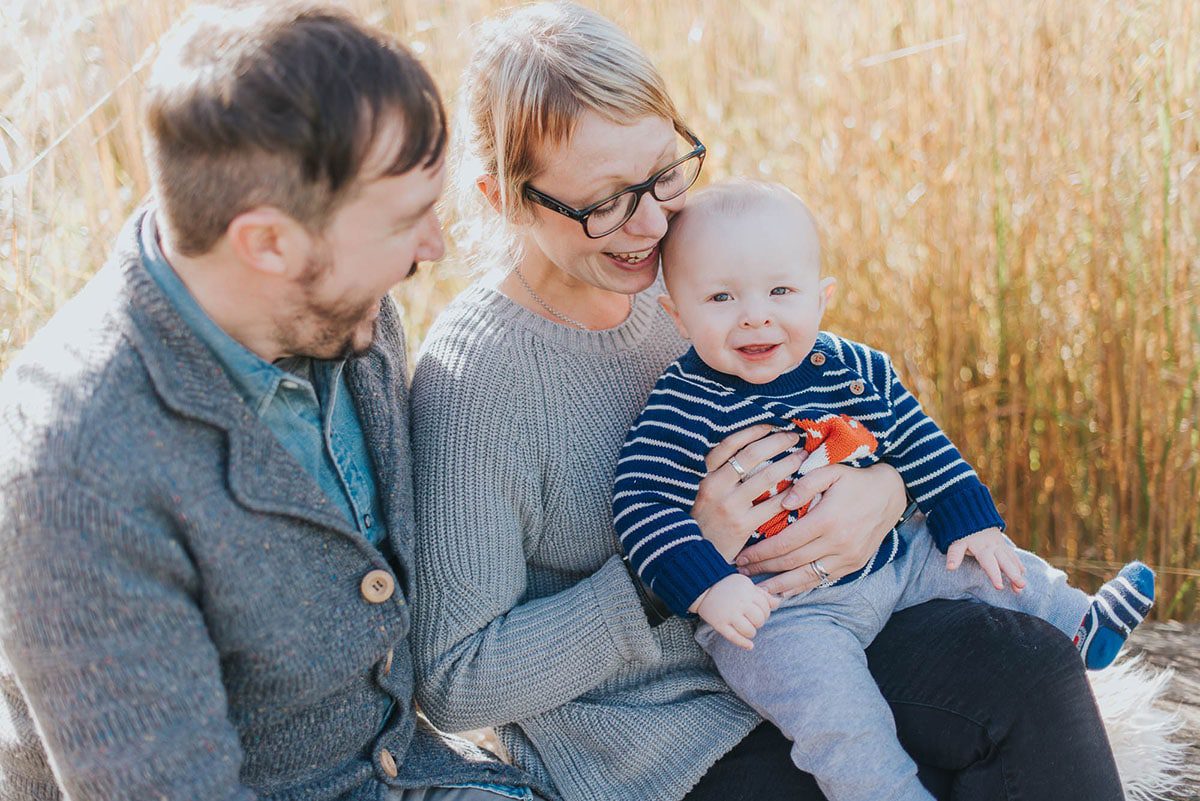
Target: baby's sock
(1116, 610)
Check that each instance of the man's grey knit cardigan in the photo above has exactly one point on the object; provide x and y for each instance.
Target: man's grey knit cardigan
(181, 609)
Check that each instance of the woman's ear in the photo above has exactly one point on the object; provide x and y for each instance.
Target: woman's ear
(672, 312)
(490, 187)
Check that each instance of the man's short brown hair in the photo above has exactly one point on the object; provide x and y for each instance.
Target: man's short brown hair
(258, 105)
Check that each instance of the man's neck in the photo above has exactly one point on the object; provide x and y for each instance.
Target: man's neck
(214, 281)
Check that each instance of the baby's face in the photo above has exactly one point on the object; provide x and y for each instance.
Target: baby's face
(748, 293)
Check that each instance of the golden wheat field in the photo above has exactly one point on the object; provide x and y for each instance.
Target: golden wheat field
(1009, 195)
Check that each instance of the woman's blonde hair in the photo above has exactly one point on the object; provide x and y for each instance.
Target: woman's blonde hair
(534, 72)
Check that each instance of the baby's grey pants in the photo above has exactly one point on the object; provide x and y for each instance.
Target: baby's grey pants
(808, 675)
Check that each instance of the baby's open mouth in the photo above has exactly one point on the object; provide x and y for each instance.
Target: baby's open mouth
(753, 351)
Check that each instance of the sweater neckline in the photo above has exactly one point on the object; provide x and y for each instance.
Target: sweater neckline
(629, 333)
(799, 378)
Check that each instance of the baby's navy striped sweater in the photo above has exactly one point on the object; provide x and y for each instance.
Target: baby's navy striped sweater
(694, 407)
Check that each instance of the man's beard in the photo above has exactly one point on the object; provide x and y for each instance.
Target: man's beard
(325, 329)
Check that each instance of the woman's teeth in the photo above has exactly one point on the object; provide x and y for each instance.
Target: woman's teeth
(633, 258)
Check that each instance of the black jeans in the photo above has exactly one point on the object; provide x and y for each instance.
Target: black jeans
(992, 705)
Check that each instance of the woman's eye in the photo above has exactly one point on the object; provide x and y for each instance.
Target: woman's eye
(721, 297)
(608, 209)
(781, 290)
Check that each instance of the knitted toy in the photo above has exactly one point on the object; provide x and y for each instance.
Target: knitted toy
(829, 439)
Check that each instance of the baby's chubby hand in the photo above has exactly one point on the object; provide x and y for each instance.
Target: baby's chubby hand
(994, 553)
(736, 609)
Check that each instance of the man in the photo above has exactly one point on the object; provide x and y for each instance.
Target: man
(205, 502)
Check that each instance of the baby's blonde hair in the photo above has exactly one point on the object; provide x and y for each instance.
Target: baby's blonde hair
(535, 71)
(723, 201)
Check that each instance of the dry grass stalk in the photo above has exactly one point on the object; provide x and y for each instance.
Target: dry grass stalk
(1008, 194)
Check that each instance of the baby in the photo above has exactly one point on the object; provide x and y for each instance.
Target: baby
(742, 269)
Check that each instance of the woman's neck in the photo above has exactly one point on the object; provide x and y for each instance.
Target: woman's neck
(549, 292)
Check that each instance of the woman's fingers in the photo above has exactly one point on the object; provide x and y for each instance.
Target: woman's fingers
(729, 446)
(792, 582)
(769, 477)
(790, 548)
(805, 488)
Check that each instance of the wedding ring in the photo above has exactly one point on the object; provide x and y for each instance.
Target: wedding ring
(737, 468)
(821, 573)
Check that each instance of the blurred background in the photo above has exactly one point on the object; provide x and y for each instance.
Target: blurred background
(1009, 195)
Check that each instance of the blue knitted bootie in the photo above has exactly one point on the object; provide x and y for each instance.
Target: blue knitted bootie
(1116, 610)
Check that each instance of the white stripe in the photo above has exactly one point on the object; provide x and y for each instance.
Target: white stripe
(938, 489)
(666, 548)
(661, 443)
(1100, 601)
(658, 480)
(686, 503)
(1137, 616)
(663, 530)
(702, 400)
(1134, 591)
(646, 457)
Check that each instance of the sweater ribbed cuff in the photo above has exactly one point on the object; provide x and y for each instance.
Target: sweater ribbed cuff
(621, 607)
(962, 513)
(686, 572)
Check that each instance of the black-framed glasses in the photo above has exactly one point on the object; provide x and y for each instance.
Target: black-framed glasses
(605, 216)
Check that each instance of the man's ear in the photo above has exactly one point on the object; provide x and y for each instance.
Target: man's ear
(268, 240)
(669, 307)
(490, 187)
(826, 290)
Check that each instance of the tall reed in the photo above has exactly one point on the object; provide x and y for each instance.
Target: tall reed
(1008, 194)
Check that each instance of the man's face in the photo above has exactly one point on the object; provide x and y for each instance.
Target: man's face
(371, 244)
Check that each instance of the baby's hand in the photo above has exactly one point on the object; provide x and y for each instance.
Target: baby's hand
(994, 554)
(736, 609)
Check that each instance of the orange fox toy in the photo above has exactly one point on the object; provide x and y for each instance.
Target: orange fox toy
(830, 439)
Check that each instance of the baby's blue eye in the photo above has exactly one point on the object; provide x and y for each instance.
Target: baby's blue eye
(721, 297)
(780, 290)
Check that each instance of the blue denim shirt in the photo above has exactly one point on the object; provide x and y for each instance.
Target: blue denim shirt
(304, 402)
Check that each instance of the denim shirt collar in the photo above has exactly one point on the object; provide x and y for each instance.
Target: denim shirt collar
(255, 379)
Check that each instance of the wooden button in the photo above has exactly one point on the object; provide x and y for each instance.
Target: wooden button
(857, 387)
(377, 586)
(387, 662)
(388, 763)
(817, 358)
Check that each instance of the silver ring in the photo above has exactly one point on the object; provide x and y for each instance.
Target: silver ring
(820, 572)
(737, 468)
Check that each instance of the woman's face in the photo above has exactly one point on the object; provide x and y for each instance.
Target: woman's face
(600, 159)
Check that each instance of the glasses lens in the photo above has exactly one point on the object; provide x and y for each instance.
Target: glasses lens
(612, 215)
(676, 180)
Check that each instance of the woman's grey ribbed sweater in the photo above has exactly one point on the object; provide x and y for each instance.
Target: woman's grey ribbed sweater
(524, 614)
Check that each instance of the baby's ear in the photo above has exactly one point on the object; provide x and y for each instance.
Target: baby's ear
(827, 287)
(669, 307)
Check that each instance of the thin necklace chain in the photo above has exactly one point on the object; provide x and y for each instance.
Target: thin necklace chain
(551, 309)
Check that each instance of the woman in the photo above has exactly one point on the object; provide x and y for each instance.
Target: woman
(525, 616)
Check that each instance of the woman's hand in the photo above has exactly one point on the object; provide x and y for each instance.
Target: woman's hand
(858, 508)
(724, 506)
